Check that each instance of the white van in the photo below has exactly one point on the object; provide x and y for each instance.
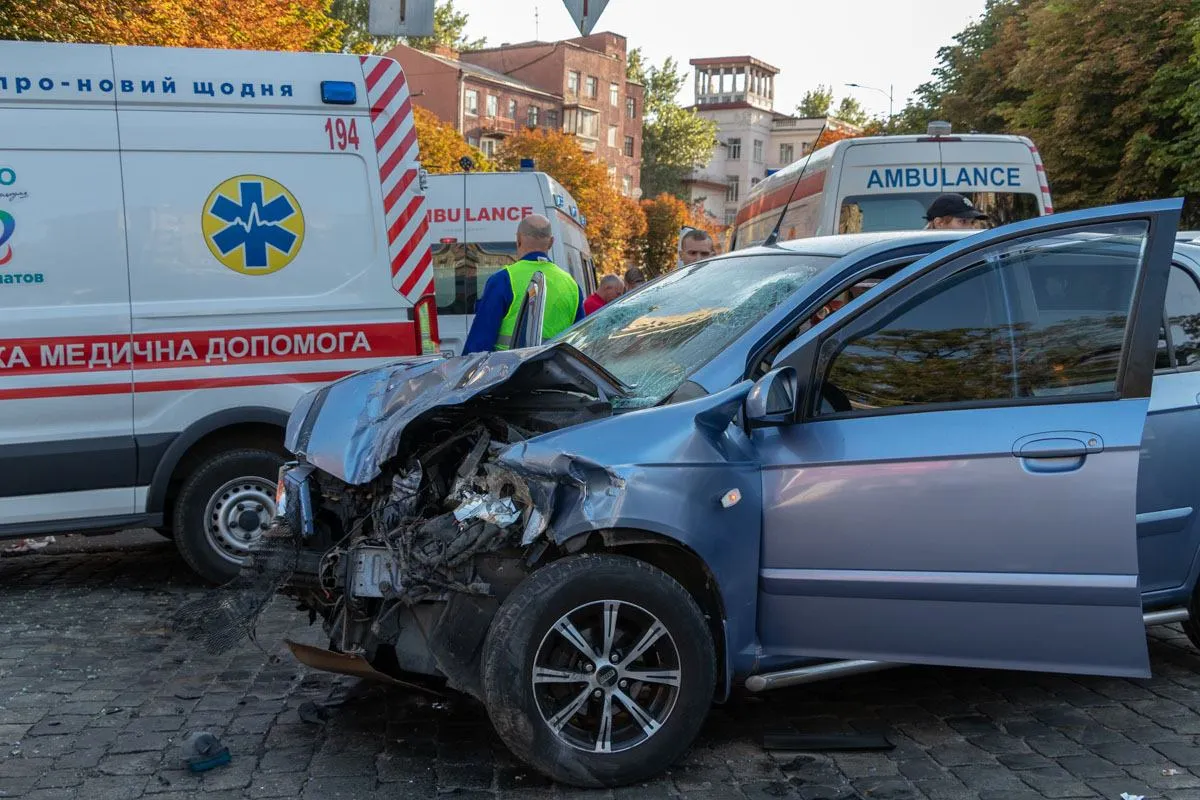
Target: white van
(473, 218)
(190, 240)
(885, 183)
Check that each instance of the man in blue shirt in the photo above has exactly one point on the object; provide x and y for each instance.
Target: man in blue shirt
(496, 310)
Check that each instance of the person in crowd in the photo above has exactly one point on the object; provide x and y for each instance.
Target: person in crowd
(953, 211)
(696, 245)
(611, 287)
(499, 305)
(634, 277)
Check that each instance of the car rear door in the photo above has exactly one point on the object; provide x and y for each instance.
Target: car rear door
(960, 485)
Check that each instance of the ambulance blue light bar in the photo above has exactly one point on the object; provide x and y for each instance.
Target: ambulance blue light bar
(339, 93)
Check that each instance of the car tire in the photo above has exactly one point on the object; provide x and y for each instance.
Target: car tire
(587, 591)
(223, 506)
(1191, 626)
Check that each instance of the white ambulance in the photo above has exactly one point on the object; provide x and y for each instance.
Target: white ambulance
(886, 183)
(473, 218)
(190, 240)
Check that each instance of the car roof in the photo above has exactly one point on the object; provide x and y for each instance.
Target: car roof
(843, 244)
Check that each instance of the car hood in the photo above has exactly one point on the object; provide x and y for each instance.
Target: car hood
(352, 427)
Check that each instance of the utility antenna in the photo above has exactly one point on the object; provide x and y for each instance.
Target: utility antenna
(774, 235)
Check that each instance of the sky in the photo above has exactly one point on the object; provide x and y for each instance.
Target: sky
(871, 42)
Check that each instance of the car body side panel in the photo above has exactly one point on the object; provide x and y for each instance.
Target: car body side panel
(667, 469)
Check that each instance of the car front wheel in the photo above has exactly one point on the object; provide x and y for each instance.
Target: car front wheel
(598, 670)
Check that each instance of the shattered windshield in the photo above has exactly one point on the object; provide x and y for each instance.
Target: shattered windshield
(656, 337)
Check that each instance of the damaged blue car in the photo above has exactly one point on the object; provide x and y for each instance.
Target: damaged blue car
(786, 463)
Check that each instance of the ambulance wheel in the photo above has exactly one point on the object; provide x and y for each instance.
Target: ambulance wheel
(223, 507)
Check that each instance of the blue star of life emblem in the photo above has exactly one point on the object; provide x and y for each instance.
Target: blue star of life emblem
(253, 224)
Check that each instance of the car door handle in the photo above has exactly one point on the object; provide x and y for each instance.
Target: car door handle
(1053, 448)
(1057, 444)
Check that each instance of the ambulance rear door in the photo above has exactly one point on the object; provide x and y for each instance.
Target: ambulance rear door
(884, 185)
(447, 199)
(1000, 177)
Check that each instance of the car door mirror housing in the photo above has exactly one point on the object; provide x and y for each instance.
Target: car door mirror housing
(773, 398)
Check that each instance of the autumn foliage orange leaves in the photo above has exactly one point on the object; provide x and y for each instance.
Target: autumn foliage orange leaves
(238, 24)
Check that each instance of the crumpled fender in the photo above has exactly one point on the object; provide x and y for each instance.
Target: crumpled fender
(662, 470)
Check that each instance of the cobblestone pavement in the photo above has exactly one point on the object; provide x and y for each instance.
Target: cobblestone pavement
(95, 693)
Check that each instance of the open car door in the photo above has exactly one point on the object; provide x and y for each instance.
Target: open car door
(958, 483)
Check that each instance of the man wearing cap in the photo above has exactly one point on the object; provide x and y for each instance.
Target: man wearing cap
(953, 212)
(496, 312)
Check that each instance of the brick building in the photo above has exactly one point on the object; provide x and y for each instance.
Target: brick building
(485, 106)
(576, 85)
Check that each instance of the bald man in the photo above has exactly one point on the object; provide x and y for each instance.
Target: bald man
(496, 311)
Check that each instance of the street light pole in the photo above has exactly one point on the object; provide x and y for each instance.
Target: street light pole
(888, 94)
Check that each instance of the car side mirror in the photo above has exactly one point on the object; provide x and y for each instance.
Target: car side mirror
(772, 399)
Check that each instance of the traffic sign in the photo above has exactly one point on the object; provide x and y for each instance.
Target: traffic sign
(585, 13)
(400, 17)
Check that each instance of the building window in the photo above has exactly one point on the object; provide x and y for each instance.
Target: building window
(593, 87)
(787, 153)
(631, 108)
(551, 118)
(493, 105)
(730, 217)
(612, 176)
(572, 82)
(735, 149)
(488, 146)
(629, 146)
(614, 95)
(754, 182)
(512, 109)
(731, 189)
(612, 135)
(758, 151)
(471, 102)
(473, 141)
(804, 148)
(627, 186)
(582, 122)
(533, 113)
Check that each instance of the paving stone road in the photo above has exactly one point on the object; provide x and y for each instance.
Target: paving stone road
(95, 693)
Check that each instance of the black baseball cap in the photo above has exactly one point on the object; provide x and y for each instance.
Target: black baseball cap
(953, 205)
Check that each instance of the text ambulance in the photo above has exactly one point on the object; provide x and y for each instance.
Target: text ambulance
(885, 183)
(189, 241)
(473, 220)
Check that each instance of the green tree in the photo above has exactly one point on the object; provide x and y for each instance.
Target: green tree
(816, 102)
(449, 29)
(850, 110)
(675, 140)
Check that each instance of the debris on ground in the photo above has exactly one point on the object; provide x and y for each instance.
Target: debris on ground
(313, 713)
(203, 751)
(30, 545)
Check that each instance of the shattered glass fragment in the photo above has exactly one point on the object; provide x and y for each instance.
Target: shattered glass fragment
(500, 511)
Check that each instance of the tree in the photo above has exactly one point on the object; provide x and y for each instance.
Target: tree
(613, 220)
(441, 146)
(816, 102)
(675, 140)
(850, 110)
(250, 24)
(834, 134)
(666, 215)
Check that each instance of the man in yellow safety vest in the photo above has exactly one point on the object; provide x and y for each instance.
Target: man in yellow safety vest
(496, 311)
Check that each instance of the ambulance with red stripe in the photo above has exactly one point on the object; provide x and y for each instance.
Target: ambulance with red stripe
(473, 218)
(885, 183)
(191, 240)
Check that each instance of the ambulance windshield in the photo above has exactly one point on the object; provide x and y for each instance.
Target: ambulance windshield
(870, 213)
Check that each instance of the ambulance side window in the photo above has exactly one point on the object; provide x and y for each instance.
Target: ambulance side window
(460, 271)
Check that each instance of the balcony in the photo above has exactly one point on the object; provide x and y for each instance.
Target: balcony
(498, 126)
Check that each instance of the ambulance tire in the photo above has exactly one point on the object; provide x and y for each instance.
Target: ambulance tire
(210, 526)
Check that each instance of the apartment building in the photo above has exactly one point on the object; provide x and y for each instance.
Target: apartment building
(753, 139)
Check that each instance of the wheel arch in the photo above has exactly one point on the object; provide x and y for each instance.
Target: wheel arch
(684, 565)
(250, 425)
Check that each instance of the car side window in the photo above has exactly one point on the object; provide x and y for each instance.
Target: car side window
(1039, 317)
(1183, 317)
